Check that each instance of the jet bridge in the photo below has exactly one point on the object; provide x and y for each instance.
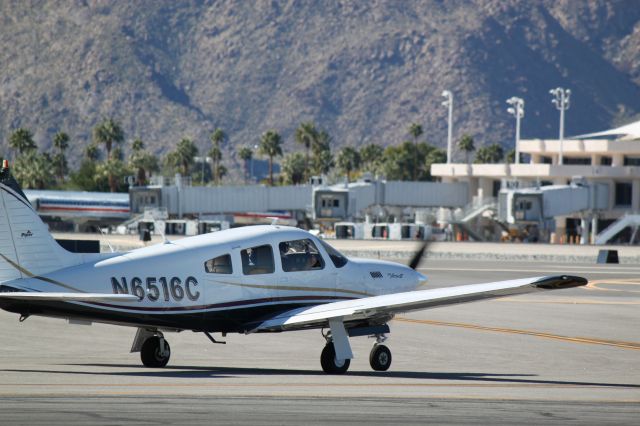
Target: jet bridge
(536, 205)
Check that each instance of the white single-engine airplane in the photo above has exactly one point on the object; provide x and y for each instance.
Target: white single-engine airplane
(245, 280)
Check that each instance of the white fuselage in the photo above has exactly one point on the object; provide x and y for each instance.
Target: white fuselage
(222, 281)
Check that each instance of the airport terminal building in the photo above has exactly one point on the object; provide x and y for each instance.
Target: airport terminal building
(611, 158)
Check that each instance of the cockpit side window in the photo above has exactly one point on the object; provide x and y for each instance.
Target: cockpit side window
(336, 257)
(219, 265)
(257, 260)
(300, 255)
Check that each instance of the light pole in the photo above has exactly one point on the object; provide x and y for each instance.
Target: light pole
(449, 103)
(517, 110)
(561, 101)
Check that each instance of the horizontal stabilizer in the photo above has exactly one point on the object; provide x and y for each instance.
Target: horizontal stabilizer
(391, 304)
(69, 297)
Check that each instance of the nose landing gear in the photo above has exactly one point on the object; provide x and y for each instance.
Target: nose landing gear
(380, 355)
(380, 358)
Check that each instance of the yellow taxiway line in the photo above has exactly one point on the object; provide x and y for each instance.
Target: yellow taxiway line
(586, 340)
(597, 284)
(569, 301)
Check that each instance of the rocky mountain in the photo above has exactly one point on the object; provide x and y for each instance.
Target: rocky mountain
(363, 70)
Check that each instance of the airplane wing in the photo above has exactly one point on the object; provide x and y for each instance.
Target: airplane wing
(391, 304)
(68, 297)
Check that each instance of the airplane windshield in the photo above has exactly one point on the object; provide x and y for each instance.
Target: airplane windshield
(300, 255)
(336, 257)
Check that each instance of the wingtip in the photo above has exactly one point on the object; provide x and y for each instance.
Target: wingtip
(560, 282)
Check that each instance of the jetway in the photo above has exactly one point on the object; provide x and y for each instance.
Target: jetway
(351, 201)
(536, 205)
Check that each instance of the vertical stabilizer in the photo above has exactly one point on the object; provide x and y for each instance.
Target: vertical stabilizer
(26, 246)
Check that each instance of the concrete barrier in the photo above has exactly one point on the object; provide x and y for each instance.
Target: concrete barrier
(608, 256)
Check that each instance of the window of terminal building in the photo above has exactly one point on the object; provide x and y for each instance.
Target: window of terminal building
(257, 260)
(606, 161)
(631, 161)
(577, 161)
(495, 190)
(219, 265)
(623, 194)
(330, 202)
(546, 160)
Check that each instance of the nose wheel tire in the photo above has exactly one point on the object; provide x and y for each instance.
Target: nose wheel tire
(152, 353)
(330, 364)
(380, 358)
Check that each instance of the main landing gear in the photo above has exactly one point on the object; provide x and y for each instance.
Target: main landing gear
(336, 355)
(153, 347)
(330, 364)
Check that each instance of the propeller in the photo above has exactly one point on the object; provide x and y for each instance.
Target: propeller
(415, 260)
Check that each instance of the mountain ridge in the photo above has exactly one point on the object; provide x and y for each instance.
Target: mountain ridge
(362, 70)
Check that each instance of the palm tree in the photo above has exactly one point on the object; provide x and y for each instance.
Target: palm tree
(271, 146)
(322, 160)
(217, 138)
(61, 143)
(92, 153)
(490, 154)
(245, 154)
(415, 130)
(142, 161)
(21, 140)
(372, 156)
(348, 161)
(435, 155)
(510, 156)
(466, 144)
(293, 168)
(108, 132)
(182, 157)
(114, 170)
(306, 135)
(33, 170)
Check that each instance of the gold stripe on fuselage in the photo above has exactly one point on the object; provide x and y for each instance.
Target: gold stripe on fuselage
(292, 288)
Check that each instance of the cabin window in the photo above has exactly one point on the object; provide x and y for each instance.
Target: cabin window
(300, 255)
(257, 260)
(336, 257)
(219, 265)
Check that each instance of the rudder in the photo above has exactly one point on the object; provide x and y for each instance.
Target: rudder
(26, 246)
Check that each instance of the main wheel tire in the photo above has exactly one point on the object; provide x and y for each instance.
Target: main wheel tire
(151, 353)
(380, 358)
(329, 362)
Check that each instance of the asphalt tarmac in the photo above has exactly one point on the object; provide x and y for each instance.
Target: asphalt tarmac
(559, 357)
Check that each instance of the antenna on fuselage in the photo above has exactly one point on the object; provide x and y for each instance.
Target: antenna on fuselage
(106, 239)
(160, 224)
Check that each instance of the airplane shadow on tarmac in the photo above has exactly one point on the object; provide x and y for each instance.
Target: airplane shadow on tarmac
(231, 372)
